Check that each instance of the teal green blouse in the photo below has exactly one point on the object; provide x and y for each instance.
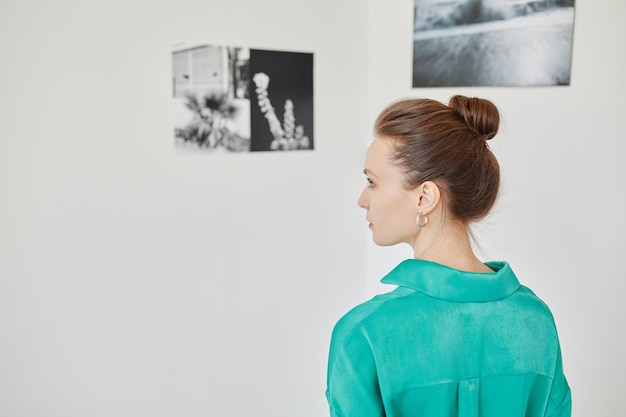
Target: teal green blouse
(448, 343)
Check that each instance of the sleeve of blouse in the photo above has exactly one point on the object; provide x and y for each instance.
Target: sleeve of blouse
(560, 402)
(352, 383)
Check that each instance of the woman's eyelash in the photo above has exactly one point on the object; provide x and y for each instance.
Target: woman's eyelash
(370, 183)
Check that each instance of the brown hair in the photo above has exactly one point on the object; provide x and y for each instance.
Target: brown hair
(447, 145)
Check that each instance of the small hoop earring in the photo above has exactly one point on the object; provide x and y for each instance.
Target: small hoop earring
(421, 221)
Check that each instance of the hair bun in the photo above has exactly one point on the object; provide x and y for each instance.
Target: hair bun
(480, 114)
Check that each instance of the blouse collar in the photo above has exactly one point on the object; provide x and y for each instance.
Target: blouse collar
(450, 284)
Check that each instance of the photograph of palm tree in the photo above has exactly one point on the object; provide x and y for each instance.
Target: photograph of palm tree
(492, 42)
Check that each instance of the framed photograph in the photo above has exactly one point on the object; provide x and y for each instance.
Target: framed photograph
(492, 42)
(236, 99)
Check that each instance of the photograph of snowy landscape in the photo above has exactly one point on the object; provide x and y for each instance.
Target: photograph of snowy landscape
(492, 42)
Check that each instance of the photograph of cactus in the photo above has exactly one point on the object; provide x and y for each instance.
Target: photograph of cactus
(492, 42)
(282, 96)
(234, 99)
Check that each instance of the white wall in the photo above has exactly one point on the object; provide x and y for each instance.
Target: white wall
(138, 282)
(560, 219)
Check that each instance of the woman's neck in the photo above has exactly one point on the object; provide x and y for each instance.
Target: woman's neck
(447, 245)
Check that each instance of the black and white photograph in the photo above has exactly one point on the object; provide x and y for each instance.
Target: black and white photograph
(492, 43)
(210, 98)
(236, 99)
(282, 96)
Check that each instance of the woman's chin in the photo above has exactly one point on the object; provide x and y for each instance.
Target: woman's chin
(382, 242)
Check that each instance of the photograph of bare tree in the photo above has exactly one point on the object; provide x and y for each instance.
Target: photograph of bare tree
(224, 98)
(492, 42)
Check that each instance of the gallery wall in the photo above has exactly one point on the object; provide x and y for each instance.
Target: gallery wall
(138, 281)
(560, 217)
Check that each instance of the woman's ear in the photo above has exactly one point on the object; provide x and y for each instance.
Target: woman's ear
(428, 197)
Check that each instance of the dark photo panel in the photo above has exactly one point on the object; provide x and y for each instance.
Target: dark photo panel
(281, 95)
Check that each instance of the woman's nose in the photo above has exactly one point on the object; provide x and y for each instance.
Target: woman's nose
(362, 201)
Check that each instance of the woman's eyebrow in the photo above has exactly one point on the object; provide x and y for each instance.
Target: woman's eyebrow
(369, 173)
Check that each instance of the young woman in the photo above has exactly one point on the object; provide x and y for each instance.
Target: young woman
(457, 337)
